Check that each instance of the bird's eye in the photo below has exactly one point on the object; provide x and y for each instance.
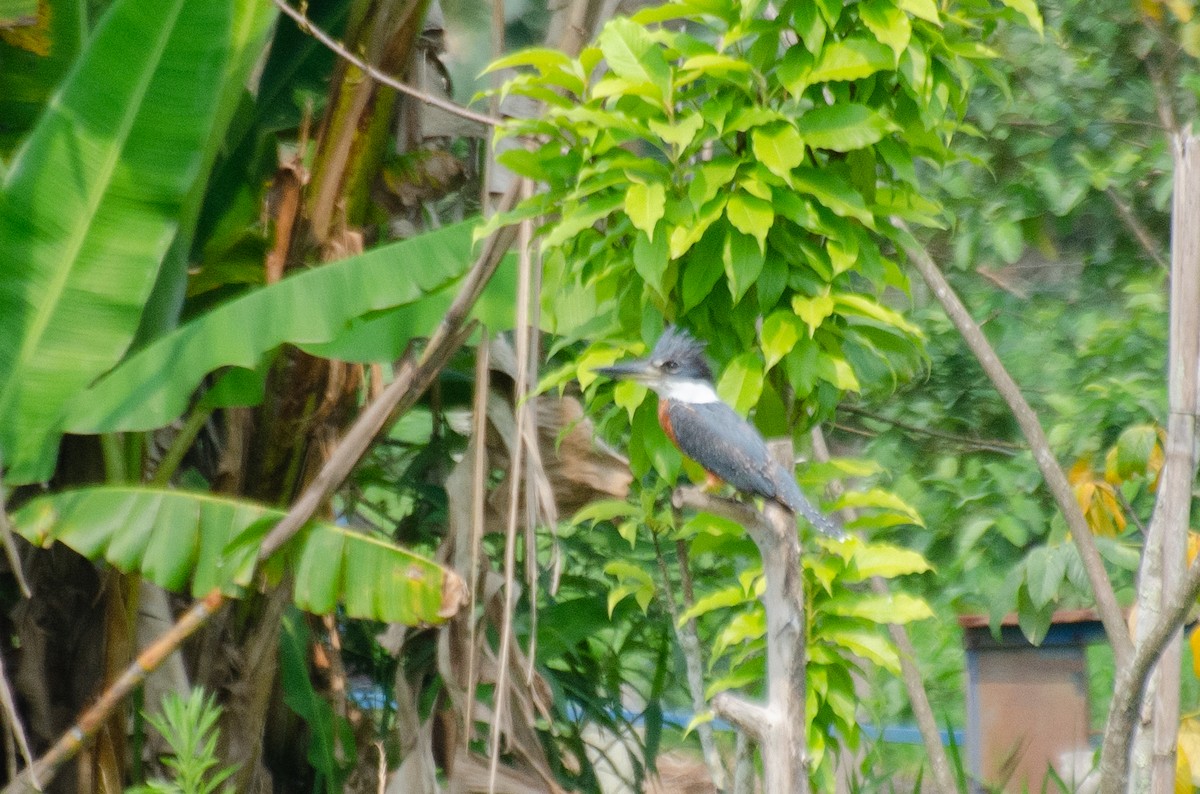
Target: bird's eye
(670, 365)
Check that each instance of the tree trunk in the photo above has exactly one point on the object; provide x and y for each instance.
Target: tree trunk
(1164, 557)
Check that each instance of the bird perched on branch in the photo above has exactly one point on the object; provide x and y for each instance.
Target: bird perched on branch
(709, 431)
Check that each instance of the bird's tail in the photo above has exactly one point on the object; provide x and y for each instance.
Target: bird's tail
(826, 525)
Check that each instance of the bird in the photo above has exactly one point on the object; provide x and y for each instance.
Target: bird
(709, 431)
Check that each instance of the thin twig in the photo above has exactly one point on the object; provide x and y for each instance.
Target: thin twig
(516, 477)
(306, 25)
(10, 546)
(743, 765)
(693, 656)
(984, 444)
(1053, 474)
(1136, 227)
(479, 477)
(13, 716)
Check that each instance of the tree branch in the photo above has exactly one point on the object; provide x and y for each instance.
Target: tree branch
(749, 718)
(1052, 472)
(1136, 227)
(1131, 683)
(784, 737)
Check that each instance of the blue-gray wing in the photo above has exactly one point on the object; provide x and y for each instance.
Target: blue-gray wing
(716, 437)
(720, 440)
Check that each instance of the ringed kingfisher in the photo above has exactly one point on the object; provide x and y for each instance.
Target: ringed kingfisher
(709, 431)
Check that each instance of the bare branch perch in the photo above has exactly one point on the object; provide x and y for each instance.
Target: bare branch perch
(781, 725)
(753, 720)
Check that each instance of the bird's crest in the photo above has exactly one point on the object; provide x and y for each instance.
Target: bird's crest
(678, 352)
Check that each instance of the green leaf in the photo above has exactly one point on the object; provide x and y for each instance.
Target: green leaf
(746, 627)
(629, 395)
(649, 447)
(780, 332)
(726, 597)
(541, 58)
(710, 178)
(1008, 240)
(795, 70)
(18, 12)
(922, 9)
(1134, 448)
(877, 497)
(889, 24)
(714, 63)
(1034, 620)
(835, 370)
(749, 672)
(877, 559)
(742, 382)
(312, 307)
(592, 359)
(779, 147)
(645, 205)
(650, 260)
(896, 608)
(697, 720)
(869, 645)
(835, 192)
(750, 215)
(684, 236)
(865, 306)
(27, 79)
(632, 55)
(584, 215)
(743, 259)
(603, 510)
(663, 13)
(813, 311)
(1029, 9)
(843, 128)
(702, 270)
(189, 542)
(681, 133)
(91, 203)
(852, 58)
(631, 580)
(1045, 568)
(809, 25)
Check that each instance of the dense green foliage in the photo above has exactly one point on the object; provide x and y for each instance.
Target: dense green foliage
(740, 175)
(733, 167)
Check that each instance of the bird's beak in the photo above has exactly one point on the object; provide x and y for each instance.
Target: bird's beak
(639, 371)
